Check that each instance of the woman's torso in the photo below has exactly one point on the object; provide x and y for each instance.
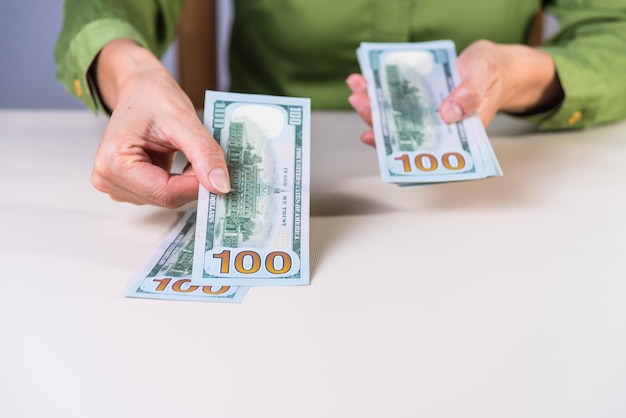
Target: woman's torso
(307, 48)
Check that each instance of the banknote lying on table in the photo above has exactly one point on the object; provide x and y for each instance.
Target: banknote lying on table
(406, 84)
(258, 233)
(168, 274)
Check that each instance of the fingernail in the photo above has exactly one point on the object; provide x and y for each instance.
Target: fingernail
(219, 180)
(452, 113)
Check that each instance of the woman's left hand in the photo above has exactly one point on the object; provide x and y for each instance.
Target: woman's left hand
(494, 77)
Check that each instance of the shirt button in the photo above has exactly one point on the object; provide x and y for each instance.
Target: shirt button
(575, 117)
(77, 88)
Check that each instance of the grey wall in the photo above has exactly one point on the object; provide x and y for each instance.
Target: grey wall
(28, 33)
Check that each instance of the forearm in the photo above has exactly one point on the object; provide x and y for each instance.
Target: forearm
(89, 25)
(589, 52)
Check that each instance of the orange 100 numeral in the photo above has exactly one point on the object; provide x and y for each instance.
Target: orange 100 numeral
(429, 162)
(253, 260)
(179, 287)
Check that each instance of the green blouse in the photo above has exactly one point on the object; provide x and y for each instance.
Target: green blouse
(306, 48)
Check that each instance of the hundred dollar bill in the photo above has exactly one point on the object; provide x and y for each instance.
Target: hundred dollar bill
(168, 274)
(406, 84)
(258, 234)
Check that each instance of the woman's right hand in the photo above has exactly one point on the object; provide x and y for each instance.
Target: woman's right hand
(152, 119)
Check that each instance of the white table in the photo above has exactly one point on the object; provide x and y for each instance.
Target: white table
(500, 298)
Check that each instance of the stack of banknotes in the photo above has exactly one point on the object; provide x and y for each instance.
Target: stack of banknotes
(406, 84)
(256, 235)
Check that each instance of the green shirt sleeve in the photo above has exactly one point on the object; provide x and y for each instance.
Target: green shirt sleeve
(88, 25)
(589, 51)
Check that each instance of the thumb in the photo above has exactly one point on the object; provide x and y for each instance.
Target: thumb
(204, 154)
(462, 101)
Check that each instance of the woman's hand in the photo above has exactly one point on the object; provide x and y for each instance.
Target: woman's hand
(152, 119)
(511, 78)
(516, 79)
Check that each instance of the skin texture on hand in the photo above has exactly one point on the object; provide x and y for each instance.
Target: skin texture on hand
(511, 78)
(152, 119)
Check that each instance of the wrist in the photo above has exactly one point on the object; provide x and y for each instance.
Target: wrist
(118, 64)
(532, 82)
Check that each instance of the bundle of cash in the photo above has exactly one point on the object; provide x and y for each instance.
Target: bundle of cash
(406, 84)
(258, 233)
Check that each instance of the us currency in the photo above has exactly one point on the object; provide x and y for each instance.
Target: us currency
(406, 84)
(258, 233)
(168, 274)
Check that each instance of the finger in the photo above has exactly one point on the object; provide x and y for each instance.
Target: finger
(361, 104)
(145, 183)
(117, 192)
(463, 101)
(203, 153)
(127, 173)
(486, 114)
(177, 191)
(357, 83)
(164, 189)
(359, 98)
(367, 138)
